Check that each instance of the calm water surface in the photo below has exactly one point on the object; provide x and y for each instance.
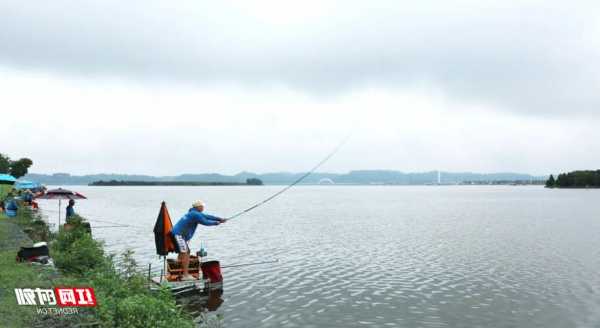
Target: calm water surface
(353, 256)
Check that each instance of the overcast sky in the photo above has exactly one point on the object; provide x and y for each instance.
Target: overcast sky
(170, 87)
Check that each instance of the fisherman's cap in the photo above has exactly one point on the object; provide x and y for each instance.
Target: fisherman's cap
(198, 203)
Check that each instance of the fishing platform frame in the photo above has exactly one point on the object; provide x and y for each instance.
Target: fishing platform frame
(170, 275)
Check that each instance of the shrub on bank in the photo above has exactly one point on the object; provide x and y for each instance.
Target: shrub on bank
(139, 310)
(76, 252)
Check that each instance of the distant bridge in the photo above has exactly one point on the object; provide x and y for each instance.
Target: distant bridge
(326, 181)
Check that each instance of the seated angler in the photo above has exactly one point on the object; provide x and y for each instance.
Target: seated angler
(70, 211)
(184, 230)
(11, 207)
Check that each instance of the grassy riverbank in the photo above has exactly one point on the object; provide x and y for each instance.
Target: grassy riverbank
(14, 275)
(123, 296)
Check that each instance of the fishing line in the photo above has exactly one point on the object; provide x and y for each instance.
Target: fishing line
(323, 161)
(91, 219)
(247, 264)
(116, 224)
(297, 181)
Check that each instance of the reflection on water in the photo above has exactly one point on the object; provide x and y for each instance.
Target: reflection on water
(384, 256)
(201, 304)
(196, 302)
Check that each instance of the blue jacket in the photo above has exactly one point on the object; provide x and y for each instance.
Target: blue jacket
(70, 211)
(188, 223)
(28, 197)
(11, 205)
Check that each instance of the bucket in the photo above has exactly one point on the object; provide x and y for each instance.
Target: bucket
(212, 271)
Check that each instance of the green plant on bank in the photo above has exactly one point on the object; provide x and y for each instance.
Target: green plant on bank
(128, 264)
(75, 219)
(5, 190)
(76, 252)
(32, 224)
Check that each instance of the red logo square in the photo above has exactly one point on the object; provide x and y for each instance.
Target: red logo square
(75, 296)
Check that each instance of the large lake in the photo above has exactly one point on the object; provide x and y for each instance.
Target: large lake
(377, 256)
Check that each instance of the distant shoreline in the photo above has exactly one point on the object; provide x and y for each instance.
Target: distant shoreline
(225, 184)
(357, 177)
(166, 183)
(249, 182)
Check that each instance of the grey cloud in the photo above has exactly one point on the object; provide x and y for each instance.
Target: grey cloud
(540, 58)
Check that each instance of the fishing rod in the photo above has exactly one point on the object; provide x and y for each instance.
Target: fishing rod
(323, 161)
(297, 181)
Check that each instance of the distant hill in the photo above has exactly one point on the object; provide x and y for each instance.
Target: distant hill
(362, 177)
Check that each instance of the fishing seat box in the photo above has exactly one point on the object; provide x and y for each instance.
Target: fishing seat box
(175, 269)
(210, 270)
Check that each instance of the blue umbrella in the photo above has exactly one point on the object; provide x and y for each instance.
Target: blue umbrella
(7, 179)
(24, 184)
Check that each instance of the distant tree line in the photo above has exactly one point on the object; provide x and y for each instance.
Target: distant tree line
(16, 168)
(254, 182)
(575, 179)
(172, 183)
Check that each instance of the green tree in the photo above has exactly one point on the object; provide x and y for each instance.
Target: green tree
(561, 181)
(4, 164)
(19, 168)
(551, 182)
(577, 179)
(596, 179)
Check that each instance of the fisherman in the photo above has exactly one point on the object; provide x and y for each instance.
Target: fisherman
(70, 210)
(28, 196)
(11, 206)
(184, 230)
